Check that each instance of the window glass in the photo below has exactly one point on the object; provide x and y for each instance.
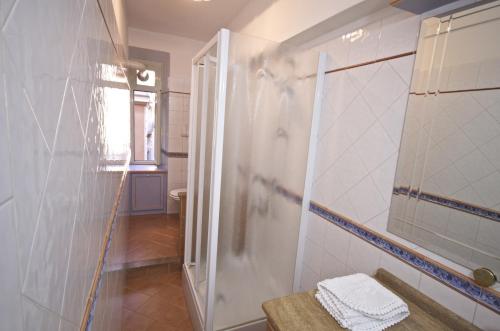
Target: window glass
(144, 106)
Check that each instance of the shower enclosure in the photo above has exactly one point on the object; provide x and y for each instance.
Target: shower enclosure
(252, 105)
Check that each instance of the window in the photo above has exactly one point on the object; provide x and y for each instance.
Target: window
(145, 110)
(144, 125)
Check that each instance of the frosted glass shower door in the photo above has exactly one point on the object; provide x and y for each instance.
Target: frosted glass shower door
(269, 106)
(251, 112)
(201, 199)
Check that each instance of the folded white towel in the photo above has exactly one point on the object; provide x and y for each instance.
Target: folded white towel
(358, 302)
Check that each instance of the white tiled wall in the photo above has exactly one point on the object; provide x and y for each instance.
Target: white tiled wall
(178, 129)
(55, 196)
(359, 136)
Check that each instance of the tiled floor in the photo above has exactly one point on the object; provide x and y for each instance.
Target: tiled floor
(154, 300)
(152, 237)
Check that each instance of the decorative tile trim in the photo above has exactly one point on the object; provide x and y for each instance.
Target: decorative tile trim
(383, 59)
(445, 275)
(91, 300)
(177, 155)
(448, 202)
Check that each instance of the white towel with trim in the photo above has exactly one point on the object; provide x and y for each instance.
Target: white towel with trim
(358, 302)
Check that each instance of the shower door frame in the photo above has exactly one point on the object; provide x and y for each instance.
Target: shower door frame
(222, 42)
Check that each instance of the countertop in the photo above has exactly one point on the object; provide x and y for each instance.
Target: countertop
(301, 312)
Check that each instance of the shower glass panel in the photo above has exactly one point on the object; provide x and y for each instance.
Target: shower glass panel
(204, 210)
(269, 103)
(251, 120)
(199, 71)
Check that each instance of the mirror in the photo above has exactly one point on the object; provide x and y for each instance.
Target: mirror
(446, 194)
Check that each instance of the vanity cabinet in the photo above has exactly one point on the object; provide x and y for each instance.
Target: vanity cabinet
(148, 193)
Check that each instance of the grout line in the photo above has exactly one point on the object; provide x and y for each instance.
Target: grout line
(6, 201)
(30, 106)
(37, 224)
(63, 299)
(77, 110)
(9, 15)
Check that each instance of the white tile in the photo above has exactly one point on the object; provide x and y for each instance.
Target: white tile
(492, 152)
(375, 146)
(447, 297)
(462, 108)
(331, 147)
(456, 146)
(383, 177)
(463, 227)
(322, 190)
(312, 255)
(339, 92)
(488, 74)
(331, 267)
(474, 166)
(393, 119)
(350, 169)
(488, 234)
(367, 200)
(337, 242)
(67, 326)
(404, 67)
(32, 162)
(5, 173)
(357, 118)
(308, 279)
(49, 256)
(364, 43)
(344, 207)
(36, 317)
(316, 227)
(450, 180)
(403, 271)
(50, 28)
(482, 129)
(384, 89)
(363, 257)
(337, 50)
(10, 298)
(488, 189)
(486, 319)
(360, 76)
(5, 9)
(399, 34)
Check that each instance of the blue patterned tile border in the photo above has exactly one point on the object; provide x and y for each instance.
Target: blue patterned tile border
(458, 282)
(451, 203)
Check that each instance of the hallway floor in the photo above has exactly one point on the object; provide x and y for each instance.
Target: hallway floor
(152, 239)
(154, 300)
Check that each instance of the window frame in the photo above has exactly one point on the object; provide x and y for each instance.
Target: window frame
(134, 86)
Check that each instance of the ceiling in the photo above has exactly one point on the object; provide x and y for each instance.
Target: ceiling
(186, 18)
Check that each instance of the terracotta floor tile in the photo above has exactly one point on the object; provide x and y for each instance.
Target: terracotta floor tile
(160, 310)
(161, 326)
(136, 322)
(154, 298)
(151, 237)
(132, 299)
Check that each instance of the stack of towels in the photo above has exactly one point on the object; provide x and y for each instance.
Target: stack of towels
(359, 303)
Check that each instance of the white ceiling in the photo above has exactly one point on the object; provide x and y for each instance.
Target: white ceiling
(186, 18)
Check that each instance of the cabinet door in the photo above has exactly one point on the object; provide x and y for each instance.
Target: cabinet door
(148, 193)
